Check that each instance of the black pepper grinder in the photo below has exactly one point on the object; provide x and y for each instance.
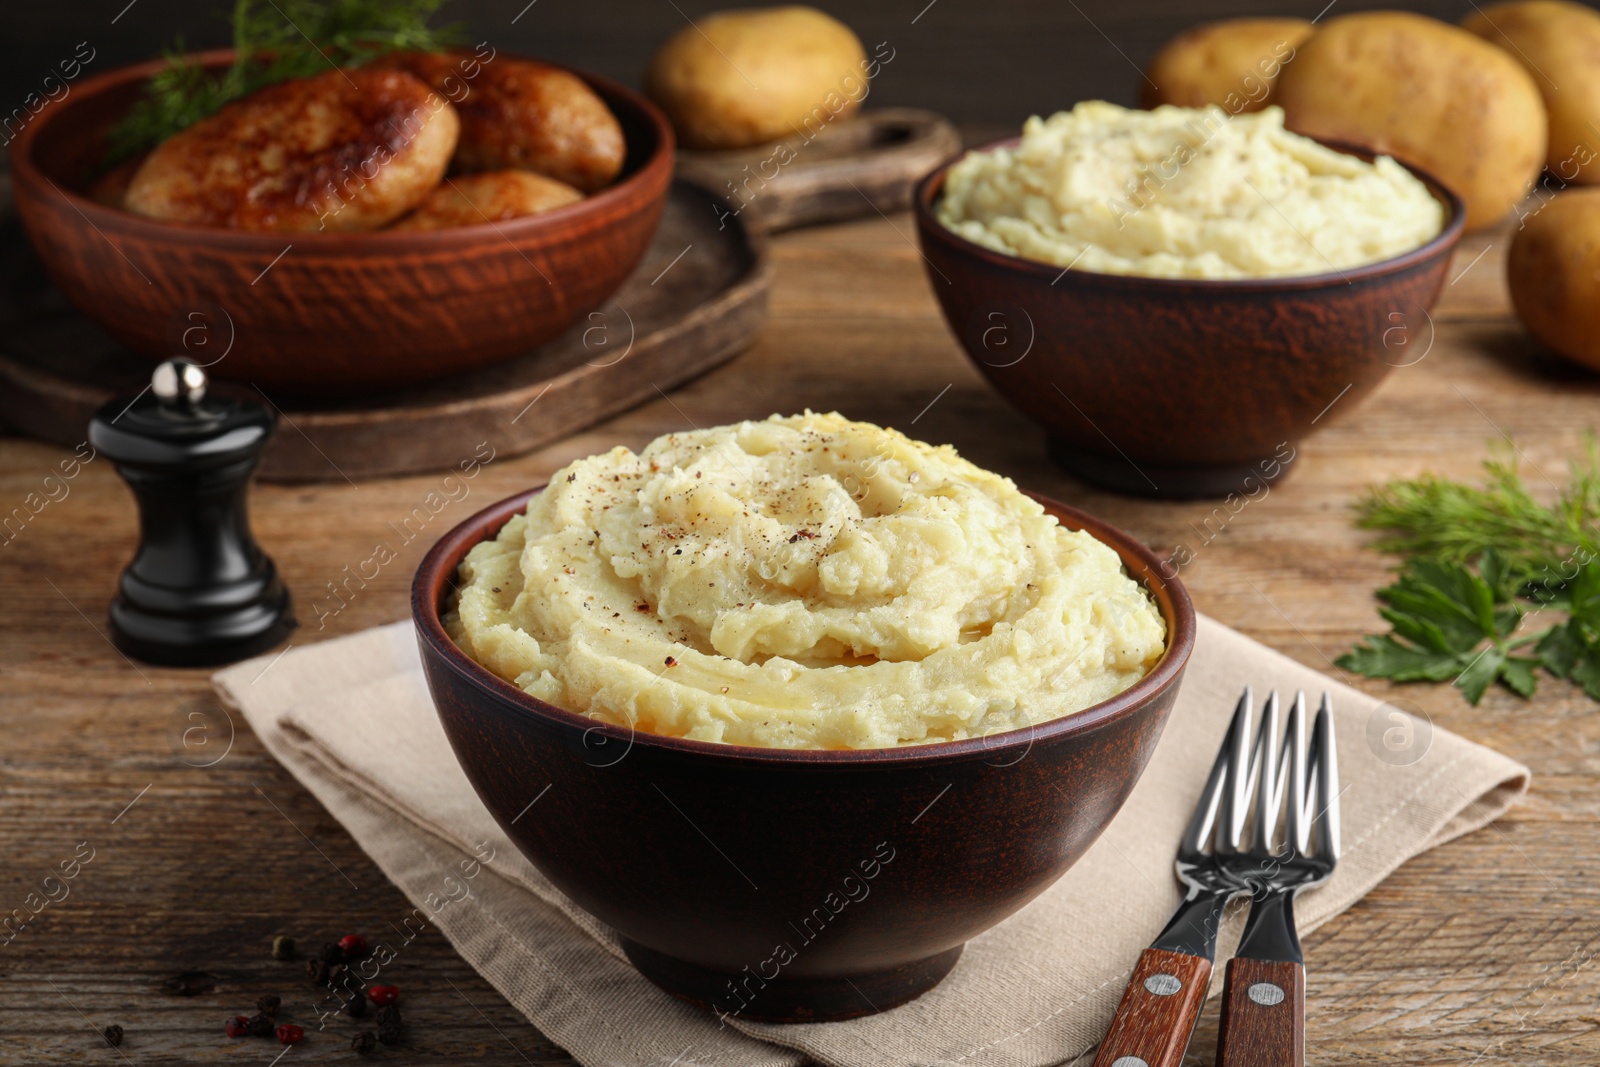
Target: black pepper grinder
(199, 591)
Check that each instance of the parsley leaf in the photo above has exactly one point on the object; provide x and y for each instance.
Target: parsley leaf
(1449, 623)
(1572, 650)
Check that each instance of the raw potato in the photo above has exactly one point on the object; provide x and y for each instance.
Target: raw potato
(1430, 94)
(519, 113)
(1233, 64)
(494, 196)
(346, 150)
(1554, 273)
(741, 78)
(1559, 44)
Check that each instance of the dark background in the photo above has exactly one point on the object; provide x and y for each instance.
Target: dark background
(981, 62)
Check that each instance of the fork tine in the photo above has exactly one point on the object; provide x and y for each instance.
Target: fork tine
(1204, 820)
(1269, 791)
(1302, 806)
(1234, 796)
(1325, 764)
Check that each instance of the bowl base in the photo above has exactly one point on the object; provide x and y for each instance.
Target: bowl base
(1165, 481)
(791, 1000)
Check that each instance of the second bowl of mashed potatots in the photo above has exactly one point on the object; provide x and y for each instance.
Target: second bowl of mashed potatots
(1185, 193)
(858, 664)
(1180, 295)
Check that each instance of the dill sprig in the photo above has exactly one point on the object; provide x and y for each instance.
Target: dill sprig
(1541, 544)
(275, 40)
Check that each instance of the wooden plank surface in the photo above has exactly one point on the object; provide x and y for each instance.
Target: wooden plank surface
(1479, 952)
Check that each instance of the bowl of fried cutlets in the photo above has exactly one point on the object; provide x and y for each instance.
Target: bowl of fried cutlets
(353, 231)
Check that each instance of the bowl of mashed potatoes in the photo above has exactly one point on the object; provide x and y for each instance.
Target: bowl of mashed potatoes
(811, 704)
(1179, 295)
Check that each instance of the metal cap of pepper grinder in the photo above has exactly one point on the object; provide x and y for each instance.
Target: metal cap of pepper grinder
(199, 591)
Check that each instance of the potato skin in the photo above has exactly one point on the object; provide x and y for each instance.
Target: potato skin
(1559, 44)
(1233, 64)
(1553, 270)
(490, 196)
(1429, 94)
(740, 78)
(345, 150)
(523, 114)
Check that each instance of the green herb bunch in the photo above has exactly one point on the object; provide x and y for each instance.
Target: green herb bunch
(273, 41)
(1479, 560)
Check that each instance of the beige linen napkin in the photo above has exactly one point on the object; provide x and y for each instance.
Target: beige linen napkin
(352, 720)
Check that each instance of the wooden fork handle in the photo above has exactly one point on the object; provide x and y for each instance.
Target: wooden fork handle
(1263, 1015)
(1158, 1011)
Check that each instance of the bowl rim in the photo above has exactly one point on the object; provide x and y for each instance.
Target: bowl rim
(928, 224)
(438, 569)
(655, 168)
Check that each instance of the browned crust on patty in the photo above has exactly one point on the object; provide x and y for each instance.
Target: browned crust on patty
(492, 196)
(345, 150)
(520, 113)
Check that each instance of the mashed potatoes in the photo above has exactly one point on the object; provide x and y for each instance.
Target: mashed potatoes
(1185, 193)
(803, 582)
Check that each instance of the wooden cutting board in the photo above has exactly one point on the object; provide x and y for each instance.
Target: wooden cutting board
(864, 165)
(698, 299)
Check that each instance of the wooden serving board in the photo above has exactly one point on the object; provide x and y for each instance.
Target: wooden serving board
(697, 300)
(866, 164)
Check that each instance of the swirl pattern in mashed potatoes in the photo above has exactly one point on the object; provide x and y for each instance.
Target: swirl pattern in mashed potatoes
(802, 582)
(1186, 193)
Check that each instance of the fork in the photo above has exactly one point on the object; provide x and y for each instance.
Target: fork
(1161, 1003)
(1263, 999)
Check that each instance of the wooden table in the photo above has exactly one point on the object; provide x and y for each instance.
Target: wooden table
(1476, 953)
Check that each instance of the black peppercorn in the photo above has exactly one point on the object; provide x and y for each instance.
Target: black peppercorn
(332, 953)
(113, 1035)
(191, 983)
(364, 1042)
(268, 1004)
(356, 1006)
(389, 1024)
(317, 971)
(260, 1026)
(283, 948)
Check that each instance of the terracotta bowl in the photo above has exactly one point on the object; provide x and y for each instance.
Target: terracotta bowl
(323, 312)
(1175, 387)
(793, 885)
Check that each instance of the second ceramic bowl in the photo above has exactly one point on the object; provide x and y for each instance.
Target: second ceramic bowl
(789, 885)
(1172, 387)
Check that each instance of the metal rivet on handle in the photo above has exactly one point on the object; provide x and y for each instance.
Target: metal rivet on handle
(1128, 1061)
(1265, 994)
(1163, 985)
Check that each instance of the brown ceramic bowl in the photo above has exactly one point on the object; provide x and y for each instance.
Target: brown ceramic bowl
(871, 867)
(328, 312)
(1174, 387)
